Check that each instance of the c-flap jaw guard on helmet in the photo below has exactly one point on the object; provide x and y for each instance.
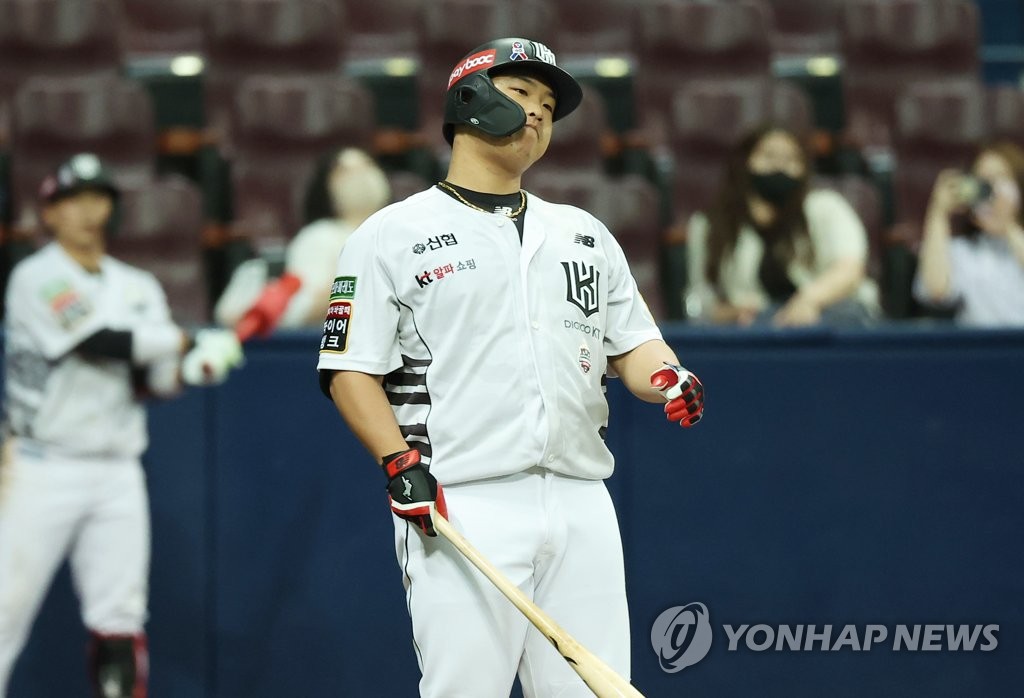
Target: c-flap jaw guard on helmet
(479, 103)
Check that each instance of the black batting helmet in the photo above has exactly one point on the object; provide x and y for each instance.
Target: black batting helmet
(474, 100)
(81, 172)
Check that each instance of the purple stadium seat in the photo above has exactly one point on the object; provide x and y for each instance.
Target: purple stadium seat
(267, 37)
(161, 226)
(1005, 109)
(57, 117)
(55, 38)
(383, 28)
(939, 125)
(282, 124)
(805, 28)
(887, 44)
(685, 41)
(710, 116)
(162, 27)
(597, 27)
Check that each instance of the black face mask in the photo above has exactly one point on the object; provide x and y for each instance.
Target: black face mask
(775, 187)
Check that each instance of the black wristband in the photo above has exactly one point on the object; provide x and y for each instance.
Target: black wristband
(400, 461)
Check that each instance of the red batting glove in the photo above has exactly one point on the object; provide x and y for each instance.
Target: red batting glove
(684, 392)
(413, 492)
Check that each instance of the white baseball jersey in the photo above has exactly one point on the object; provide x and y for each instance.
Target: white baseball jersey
(494, 351)
(72, 404)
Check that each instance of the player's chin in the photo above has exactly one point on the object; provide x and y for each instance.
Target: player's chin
(536, 146)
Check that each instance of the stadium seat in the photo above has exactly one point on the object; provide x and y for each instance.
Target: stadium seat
(281, 125)
(939, 125)
(802, 28)
(57, 117)
(1005, 109)
(158, 27)
(685, 41)
(596, 28)
(55, 38)
(887, 44)
(160, 230)
(382, 29)
(267, 37)
(710, 116)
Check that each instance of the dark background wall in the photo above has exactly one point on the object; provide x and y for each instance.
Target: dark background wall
(837, 478)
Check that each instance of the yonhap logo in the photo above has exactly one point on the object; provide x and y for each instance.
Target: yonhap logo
(681, 636)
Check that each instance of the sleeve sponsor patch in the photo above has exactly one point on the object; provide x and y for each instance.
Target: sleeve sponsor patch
(67, 305)
(336, 327)
(344, 287)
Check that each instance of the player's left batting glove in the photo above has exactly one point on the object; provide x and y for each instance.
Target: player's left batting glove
(215, 353)
(684, 392)
(413, 492)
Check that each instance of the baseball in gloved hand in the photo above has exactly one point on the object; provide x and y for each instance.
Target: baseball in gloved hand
(684, 392)
(214, 354)
(413, 492)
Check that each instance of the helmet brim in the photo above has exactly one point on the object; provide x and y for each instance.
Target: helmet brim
(67, 192)
(568, 93)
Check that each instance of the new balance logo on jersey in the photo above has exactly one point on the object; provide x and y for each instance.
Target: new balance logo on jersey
(583, 286)
(584, 240)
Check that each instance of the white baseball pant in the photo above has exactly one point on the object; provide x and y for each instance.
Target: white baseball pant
(96, 513)
(557, 538)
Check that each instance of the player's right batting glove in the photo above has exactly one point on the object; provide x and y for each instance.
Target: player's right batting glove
(684, 392)
(413, 492)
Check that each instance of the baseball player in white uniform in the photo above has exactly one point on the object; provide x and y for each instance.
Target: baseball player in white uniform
(467, 341)
(86, 337)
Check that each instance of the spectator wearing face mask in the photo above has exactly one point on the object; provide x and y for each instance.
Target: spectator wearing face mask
(343, 194)
(771, 250)
(971, 260)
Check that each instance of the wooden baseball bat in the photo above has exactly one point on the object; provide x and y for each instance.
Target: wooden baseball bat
(599, 677)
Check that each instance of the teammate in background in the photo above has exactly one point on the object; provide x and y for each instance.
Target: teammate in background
(770, 249)
(972, 253)
(353, 186)
(469, 334)
(86, 338)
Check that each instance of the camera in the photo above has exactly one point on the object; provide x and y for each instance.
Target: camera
(974, 190)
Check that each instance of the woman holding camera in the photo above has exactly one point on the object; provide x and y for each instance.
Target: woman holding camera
(972, 254)
(772, 250)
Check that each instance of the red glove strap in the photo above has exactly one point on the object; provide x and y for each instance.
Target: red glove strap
(403, 461)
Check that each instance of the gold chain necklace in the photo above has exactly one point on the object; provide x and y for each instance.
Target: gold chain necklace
(522, 200)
